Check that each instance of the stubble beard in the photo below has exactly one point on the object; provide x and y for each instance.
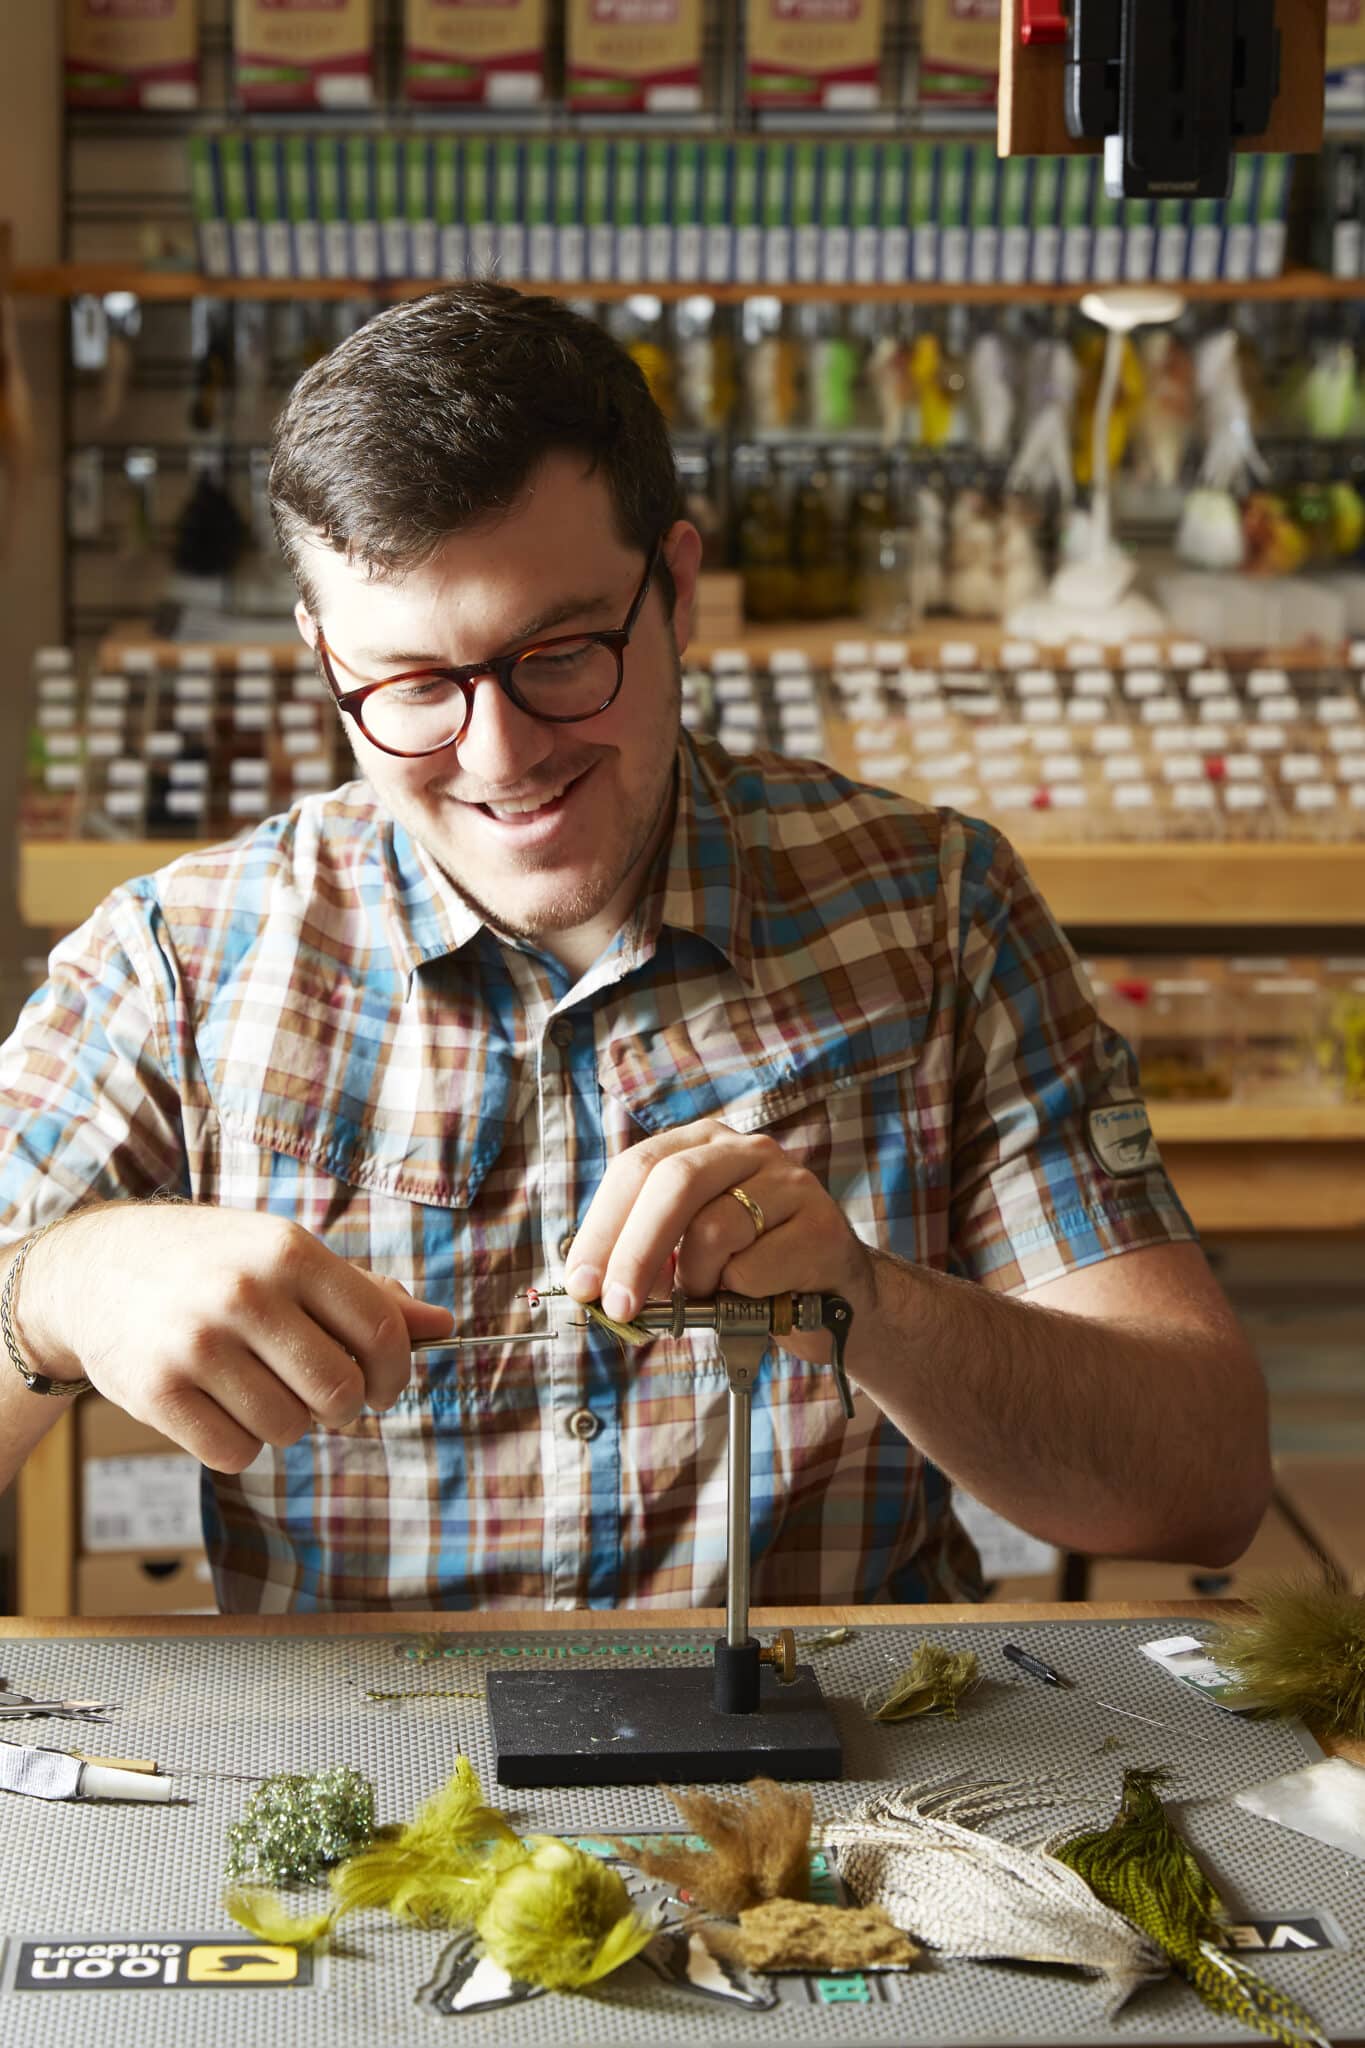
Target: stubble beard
(579, 902)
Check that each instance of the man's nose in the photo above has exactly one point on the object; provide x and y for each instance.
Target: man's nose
(502, 742)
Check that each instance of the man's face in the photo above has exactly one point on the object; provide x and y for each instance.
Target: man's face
(566, 871)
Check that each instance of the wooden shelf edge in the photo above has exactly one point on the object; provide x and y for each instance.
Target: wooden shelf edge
(1258, 1123)
(1108, 886)
(66, 280)
(1193, 885)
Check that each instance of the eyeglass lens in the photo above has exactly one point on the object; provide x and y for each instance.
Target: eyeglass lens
(570, 680)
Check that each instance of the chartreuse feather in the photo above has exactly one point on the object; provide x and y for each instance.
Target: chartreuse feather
(263, 1913)
(548, 1913)
(1142, 1868)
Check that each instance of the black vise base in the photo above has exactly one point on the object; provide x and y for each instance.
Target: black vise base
(656, 1727)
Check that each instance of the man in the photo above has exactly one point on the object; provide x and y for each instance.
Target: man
(556, 997)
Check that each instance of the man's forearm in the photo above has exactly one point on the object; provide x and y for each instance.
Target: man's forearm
(1092, 1435)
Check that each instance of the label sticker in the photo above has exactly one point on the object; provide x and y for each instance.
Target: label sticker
(1122, 1141)
(1188, 1660)
(1295, 1933)
(158, 1963)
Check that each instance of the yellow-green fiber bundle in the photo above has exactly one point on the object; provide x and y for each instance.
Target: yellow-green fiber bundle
(256, 1907)
(932, 1683)
(629, 1334)
(429, 1871)
(1302, 1657)
(548, 1913)
(559, 1917)
(1140, 1867)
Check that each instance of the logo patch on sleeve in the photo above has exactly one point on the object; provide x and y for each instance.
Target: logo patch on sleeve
(1122, 1141)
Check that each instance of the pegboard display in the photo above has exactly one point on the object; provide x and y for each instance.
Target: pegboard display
(74, 1872)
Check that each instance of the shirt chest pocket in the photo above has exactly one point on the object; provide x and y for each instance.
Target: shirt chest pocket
(336, 1085)
(842, 1085)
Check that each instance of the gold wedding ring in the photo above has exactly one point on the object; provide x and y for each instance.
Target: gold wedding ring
(755, 1213)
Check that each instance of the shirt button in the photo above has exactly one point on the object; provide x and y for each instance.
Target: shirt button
(561, 1032)
(566, 1243)
(584, 1425)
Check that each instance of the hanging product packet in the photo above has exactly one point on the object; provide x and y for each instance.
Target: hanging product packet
(960, 52)
(292, 53)
(633, 56)
(123, 53)
(813, 53)
(479, 51)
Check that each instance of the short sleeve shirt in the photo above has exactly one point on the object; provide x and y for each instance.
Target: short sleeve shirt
(314, 1023)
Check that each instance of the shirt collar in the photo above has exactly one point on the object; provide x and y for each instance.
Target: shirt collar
(704, 885)
(701, 886)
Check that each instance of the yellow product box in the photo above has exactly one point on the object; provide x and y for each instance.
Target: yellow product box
(475, 50)
(123, 53)
(293, 53)
(814, 53)
(633, 56)
(960, 52)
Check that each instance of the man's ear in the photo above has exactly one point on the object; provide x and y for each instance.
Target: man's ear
(682, 552)
(306, 623)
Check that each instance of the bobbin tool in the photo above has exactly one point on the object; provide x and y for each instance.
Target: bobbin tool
(756, 1711)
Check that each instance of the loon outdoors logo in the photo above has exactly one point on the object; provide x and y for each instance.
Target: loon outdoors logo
(465, 1982)
(1121, 1139)
(156, 1962)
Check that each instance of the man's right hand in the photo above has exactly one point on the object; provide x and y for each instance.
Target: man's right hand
(225, 1329)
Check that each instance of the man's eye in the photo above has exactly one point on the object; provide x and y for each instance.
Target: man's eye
(561, 661)
(422, 690)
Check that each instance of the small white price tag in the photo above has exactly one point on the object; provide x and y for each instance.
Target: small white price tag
(145, 1502)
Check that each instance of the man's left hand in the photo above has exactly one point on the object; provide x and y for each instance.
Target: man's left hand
(665, 1215)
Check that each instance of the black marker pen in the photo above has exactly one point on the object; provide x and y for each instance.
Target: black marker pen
(1036, 1668)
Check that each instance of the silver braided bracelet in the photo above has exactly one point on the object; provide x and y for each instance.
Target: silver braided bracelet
(36, 1382)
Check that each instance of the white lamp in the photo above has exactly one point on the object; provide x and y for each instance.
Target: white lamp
(1093, 598)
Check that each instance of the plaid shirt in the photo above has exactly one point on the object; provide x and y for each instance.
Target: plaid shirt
(311, 1021)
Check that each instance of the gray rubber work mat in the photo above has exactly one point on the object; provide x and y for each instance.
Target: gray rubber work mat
(73, 1873)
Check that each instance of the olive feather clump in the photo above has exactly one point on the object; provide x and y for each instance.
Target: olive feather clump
(1302, 1657)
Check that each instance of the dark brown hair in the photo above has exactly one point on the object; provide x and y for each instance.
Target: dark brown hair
(434, 415)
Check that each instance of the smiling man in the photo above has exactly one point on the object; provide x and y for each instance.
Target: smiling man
(554, 994)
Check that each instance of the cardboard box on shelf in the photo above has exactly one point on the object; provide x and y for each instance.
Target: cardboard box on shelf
(718, 609)
(104, 1430)
(1276, 1551)
(141, 1502)
(175, 1582)
(1043, 1586)
(1327, 1495)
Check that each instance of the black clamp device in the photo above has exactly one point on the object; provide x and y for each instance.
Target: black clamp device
(1170, 86)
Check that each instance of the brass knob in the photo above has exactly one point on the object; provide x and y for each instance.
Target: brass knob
(781, 1654)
